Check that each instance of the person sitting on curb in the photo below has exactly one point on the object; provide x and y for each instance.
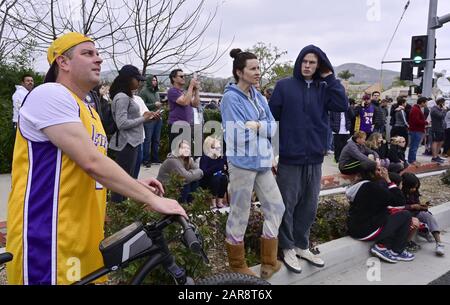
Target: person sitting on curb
(369, 218)
(183, 164)
(396, 154)
(214, 167)
(356, 157)
(376, 143)
(410, 189)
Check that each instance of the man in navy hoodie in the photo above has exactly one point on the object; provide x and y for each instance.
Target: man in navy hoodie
(301, 104)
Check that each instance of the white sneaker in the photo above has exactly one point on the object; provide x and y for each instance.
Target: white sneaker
(440, 249)
(310, 257)
(291, 261)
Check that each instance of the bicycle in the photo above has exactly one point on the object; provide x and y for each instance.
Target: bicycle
(139, 241)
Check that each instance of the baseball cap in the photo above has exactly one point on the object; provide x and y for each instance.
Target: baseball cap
(130, 70)
(58, 47)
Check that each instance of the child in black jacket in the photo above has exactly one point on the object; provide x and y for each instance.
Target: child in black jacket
(369, 218)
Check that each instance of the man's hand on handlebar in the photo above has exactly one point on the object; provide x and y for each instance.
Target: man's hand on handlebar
(154, 185)
(167, 206)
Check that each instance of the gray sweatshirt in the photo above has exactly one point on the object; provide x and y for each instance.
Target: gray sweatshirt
(353, 151)
(437, 119)
(174, 164)
(129, 121)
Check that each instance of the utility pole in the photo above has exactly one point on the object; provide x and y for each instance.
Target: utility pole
(431, 32)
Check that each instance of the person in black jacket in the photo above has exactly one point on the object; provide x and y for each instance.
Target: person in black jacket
(341, 124)
(369, 218)
(396, 155)
(214, 167)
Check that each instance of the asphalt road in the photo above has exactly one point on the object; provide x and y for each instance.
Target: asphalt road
(443, 280)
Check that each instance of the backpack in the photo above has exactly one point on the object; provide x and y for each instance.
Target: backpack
(107, 117)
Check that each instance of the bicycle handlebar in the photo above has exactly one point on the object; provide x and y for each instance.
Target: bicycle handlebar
(189, 235)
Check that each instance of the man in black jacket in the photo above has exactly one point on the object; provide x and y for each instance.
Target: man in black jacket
(301, 103)
(340, 123)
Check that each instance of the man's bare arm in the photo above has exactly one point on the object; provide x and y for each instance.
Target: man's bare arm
(75, 142)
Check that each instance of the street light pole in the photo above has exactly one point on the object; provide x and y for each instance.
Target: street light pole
(431, 32)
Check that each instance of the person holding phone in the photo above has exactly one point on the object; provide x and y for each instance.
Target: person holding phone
(181, 114)
(152, 100)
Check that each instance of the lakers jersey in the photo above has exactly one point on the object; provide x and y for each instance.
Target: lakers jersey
(56, 211)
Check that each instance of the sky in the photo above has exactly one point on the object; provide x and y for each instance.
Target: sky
(348, 31)
(356, 31)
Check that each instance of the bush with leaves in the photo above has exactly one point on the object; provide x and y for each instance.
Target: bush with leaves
(164, 149)
(331, 221)
(10, 75)
(446, 177)
(210, 225)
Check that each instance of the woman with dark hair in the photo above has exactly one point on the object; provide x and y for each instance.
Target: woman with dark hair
(128, 119)
(152, 100)
(401, 125)
(369, 218)
(248, 125)
(411, 186)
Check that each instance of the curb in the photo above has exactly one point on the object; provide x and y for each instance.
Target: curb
(340, 255)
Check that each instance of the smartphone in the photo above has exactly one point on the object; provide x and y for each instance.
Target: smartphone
(195, 75)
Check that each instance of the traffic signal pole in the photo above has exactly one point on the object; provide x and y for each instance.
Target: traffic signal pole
(431, 32)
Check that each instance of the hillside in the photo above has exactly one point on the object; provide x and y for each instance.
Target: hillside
(367, 74)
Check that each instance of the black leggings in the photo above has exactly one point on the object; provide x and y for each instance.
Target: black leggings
(216, 184)
(126, 158)
(394, 234)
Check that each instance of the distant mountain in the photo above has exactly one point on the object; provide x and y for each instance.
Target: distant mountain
(367, 74)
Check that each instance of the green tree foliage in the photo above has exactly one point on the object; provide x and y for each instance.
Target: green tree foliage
(400, 83)
(268, 57)
(345, 75)
(10, 75)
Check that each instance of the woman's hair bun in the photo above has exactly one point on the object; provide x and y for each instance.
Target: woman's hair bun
(234, 53)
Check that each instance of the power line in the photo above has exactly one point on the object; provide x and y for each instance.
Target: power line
(390, 42)
(395, 31)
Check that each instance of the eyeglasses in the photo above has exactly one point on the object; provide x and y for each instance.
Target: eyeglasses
(180, 76)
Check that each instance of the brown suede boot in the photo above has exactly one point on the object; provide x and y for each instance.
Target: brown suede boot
(236, 258)
(269, 262)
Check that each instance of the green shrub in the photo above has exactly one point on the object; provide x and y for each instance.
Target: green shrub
(10, 75)
(164, 148)
(210, 225)
(446, 177)
(331, 221)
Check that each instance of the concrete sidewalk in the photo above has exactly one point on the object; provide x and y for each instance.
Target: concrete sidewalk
(348, 262)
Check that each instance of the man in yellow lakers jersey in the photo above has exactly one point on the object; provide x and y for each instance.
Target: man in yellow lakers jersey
(56, 208)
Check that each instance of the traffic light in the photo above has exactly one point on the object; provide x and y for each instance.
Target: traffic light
(406, 72)
(419, 50)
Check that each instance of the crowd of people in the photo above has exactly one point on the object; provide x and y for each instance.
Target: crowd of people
(61, 170)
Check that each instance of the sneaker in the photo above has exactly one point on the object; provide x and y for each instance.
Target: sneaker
(442, 159)
(413, 247)
(426, 235)
(291, 261)
(310, 257)
(405, 256)
(440, 249)
(383, 254)
(437, 160)
(147, 164)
